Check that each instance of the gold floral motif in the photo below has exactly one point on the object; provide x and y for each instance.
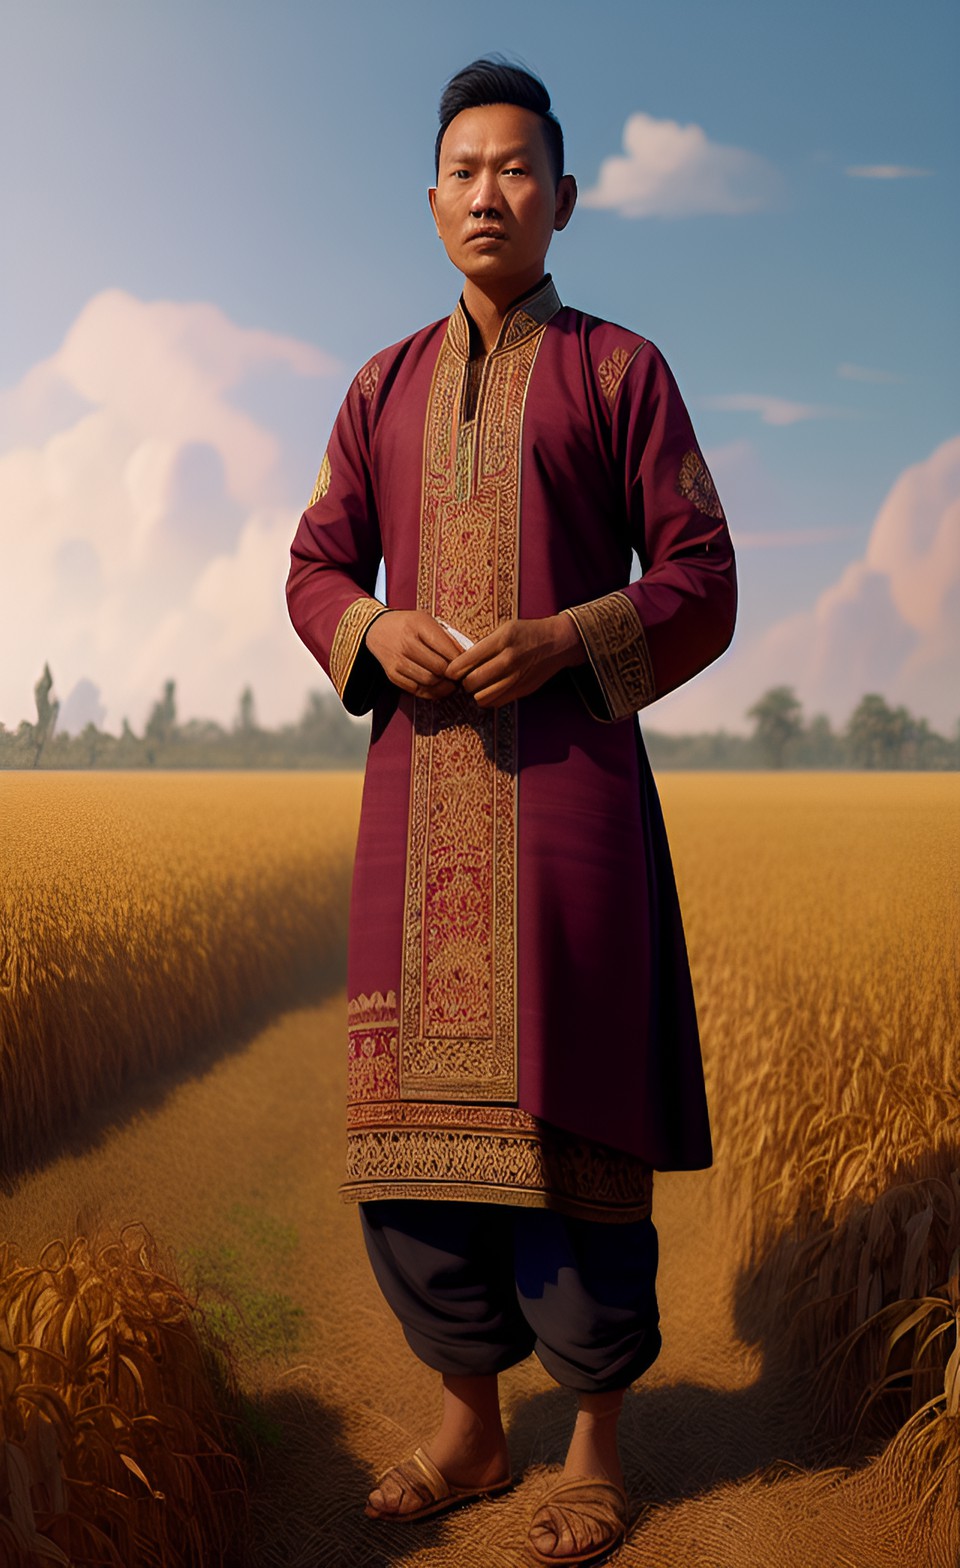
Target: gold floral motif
(323, 481)
(347, 638)
(368, 377)
(612, 371)
(695, 484)
(616, 646)
(493, 1154)
(376, 1008)
(458, 990)
(372, 1047)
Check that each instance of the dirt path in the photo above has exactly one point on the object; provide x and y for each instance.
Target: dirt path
(234, 1167)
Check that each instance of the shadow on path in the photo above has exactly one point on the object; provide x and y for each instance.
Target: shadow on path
(142, 1094)
(307, 1496)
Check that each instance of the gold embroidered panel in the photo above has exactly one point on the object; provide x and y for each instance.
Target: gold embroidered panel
(492, 1154)
(695, 483)
(323, 480)
(458, 989)
(347, 638)
(368, 378)
(616, 645)
(484, 1153)
(612, 370)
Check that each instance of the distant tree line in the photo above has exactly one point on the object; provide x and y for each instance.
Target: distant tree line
(875, 736)
(323, 737)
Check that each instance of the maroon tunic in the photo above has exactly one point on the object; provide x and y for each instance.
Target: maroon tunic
(521, 1020)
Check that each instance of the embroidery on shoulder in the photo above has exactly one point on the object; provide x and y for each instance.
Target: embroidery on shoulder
(612, 371)
(695, 484)
(368, 378)
(323, 481)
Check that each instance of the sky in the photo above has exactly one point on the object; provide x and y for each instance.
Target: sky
(216, 212)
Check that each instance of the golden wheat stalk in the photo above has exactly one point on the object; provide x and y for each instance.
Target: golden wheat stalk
(114, 1440)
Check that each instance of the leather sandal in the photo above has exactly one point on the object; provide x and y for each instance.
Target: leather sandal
(434, 1492)
(595, 1513)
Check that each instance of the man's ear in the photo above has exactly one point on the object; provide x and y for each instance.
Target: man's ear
(566, 201)
(432, 199)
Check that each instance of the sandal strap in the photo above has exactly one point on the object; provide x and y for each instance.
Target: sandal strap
(438, 1484)
(419, 1475)
(589, 1490)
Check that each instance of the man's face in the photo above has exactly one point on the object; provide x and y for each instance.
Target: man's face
(496, 203)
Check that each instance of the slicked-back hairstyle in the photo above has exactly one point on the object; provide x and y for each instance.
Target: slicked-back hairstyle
(495, 80)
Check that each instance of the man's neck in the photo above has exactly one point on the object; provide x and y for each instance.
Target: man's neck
(489, 309)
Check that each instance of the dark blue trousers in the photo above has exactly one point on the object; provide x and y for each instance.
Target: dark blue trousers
(478, 1286)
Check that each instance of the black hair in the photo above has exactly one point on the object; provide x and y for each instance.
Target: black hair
(495, 80)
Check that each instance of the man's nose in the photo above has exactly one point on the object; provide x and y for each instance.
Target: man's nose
(485, 201)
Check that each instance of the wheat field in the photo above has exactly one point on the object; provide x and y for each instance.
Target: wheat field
(823, 919)
(145, 915)
(142, 915)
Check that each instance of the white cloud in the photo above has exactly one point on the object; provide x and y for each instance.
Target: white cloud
(674, 171)
(772, 410)
(889, 623)
(154, 516)
(848, 372)
(887, 171)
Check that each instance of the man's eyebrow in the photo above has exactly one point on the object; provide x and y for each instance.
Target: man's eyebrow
(463, 153)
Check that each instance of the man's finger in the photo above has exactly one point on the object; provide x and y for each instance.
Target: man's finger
(443, 689)
(471, 658)
(499, 693)
(425, 659)
(419, 673)
(431, 693)
(434, 637)
(499, 668)
(418, 688)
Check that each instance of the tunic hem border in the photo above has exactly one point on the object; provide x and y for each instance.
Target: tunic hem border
(478, 1192)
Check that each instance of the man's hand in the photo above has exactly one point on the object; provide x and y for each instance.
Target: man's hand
(414, 651)
(516, 659)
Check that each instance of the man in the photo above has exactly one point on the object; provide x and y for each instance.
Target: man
(523, 1043)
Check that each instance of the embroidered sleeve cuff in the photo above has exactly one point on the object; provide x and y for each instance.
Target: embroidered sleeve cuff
(618, 678)
(353, 669)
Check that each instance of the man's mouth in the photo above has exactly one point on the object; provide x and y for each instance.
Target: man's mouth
(487, 234)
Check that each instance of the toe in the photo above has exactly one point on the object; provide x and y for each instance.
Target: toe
(544, 1537)
(552, 1535)
(563, 1533)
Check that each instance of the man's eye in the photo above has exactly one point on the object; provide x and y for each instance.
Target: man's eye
(514, 171)
(461, 174)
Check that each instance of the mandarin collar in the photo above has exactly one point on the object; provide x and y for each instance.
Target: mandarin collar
(527, 314)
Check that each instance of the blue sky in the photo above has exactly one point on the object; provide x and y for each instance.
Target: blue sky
(272, 160)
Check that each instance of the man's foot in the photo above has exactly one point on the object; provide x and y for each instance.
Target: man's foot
(579, 1521)
(468, 1454)
(415, 1488)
